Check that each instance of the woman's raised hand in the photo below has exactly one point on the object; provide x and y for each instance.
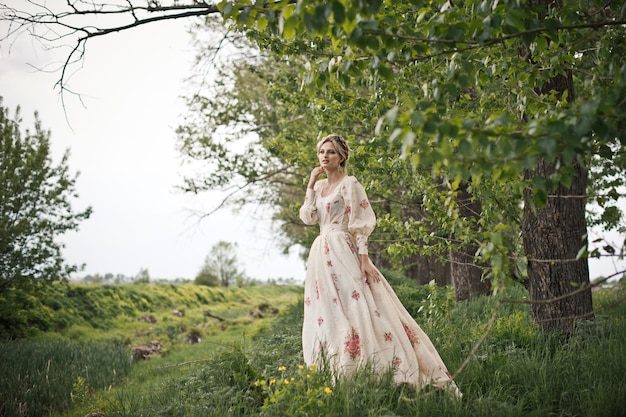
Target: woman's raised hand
(315, 174)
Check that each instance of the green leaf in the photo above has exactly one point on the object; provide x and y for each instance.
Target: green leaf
(289, 28)
(369, 25)
(225, 7)
(541, 196)
(541, 44)
(261, 23)
(339, 12)
(385, 73)
(456, 33)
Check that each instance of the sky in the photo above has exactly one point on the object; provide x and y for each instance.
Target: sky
(121, 137)
(122, 141)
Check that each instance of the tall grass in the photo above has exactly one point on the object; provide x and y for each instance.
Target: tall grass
(518, 371)
(36, 378)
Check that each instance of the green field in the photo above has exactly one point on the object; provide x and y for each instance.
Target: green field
(248, 365)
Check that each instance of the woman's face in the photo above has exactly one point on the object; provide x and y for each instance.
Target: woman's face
(328, 157)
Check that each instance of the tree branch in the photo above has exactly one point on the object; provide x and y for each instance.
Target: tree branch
(564, 296)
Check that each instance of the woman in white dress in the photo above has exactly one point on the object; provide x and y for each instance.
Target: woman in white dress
(352, 316)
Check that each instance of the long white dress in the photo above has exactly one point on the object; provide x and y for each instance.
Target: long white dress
(349, 321)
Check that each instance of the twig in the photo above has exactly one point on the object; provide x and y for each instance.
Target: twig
(183, 363)
(469, 357)
(564, 296)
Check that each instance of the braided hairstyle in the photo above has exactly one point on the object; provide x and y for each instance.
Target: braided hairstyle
(341, 146)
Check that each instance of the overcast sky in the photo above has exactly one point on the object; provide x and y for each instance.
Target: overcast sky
(123, 143)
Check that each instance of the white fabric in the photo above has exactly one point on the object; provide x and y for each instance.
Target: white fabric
(348, 320)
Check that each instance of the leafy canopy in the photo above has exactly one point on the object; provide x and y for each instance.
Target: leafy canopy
(35, 206)
(482, 104)
(480, 66)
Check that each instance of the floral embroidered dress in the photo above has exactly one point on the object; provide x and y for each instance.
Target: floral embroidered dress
(347, 319)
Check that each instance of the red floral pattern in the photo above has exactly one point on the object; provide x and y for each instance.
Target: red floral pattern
(356, 295)
(335, 281)
(397, 362)
(409, 333)
(353, 344)
(350, 244)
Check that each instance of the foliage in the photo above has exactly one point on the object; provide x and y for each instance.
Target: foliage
(424, 302)
(206, 277)
(87, 356)
(76, 310)
(143, 276)
(221, 266)
(35, 206)
(518, 371)
(465, 82)
(466, 92)
(266, 155)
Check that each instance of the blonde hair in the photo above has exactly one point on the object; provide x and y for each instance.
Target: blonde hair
(341, 146)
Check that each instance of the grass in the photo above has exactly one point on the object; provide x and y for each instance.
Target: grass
(36, 377)
(253, 368)
(59, 371)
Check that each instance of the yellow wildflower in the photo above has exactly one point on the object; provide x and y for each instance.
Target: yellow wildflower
(272, 381)
(327, 390)
(286, 381)
(282, 368)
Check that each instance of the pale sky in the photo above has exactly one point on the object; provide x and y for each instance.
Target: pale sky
(123, 143)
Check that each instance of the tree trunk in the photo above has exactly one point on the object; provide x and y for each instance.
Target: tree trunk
(553, 236)
(465, 273)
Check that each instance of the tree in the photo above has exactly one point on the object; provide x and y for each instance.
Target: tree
(206, 277)
(473, 51)
(255, 98)
(35, 206)
(143, 276)
(220, 266)
(561, 217)
(486, 103)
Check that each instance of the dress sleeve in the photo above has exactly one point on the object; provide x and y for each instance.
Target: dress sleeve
(361, 217)
(308, 211)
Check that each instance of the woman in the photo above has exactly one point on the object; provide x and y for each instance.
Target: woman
(352, 316)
